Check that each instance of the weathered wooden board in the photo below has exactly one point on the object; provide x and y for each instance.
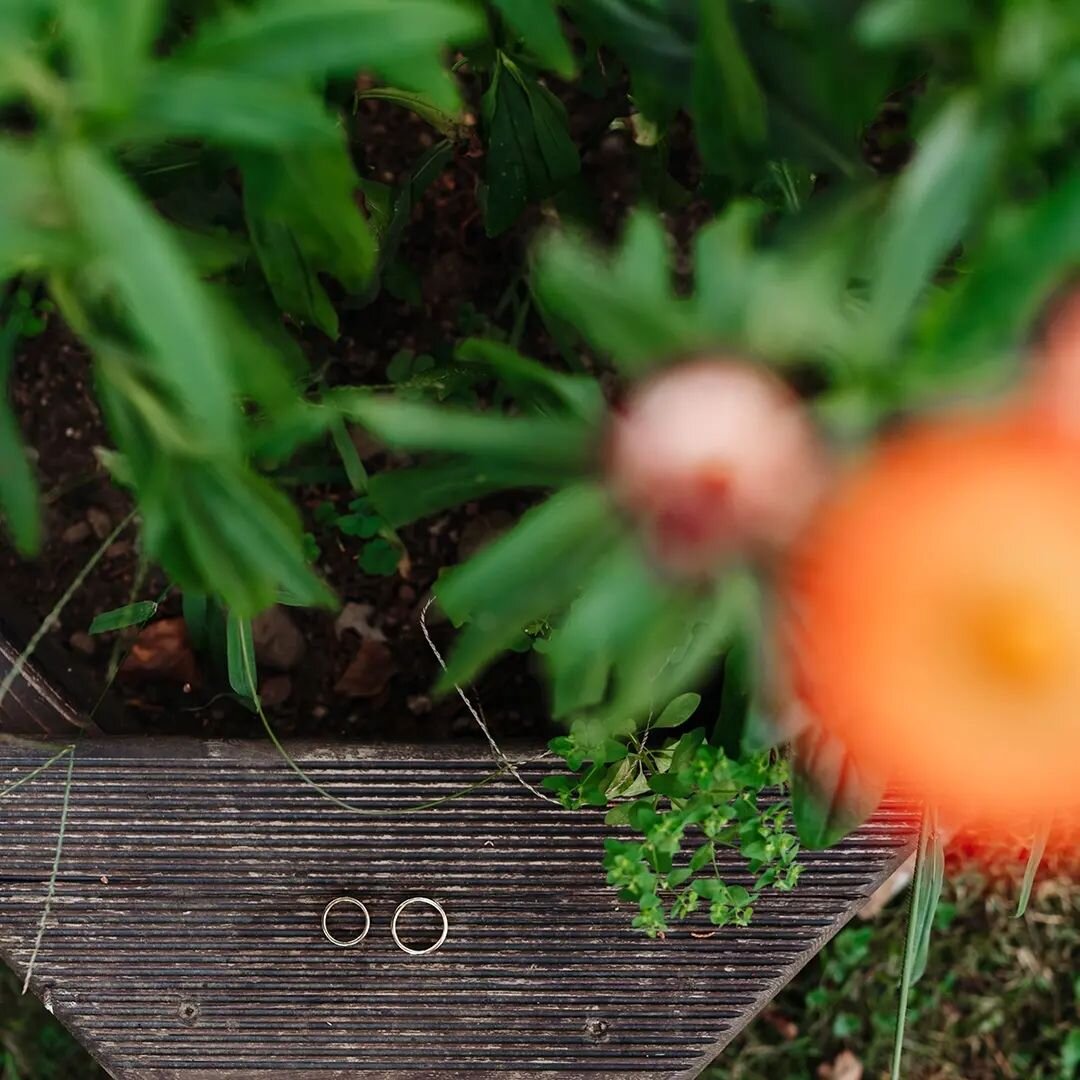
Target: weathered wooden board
(184, 937)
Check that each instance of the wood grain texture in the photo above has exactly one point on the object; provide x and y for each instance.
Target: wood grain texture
(184, 939)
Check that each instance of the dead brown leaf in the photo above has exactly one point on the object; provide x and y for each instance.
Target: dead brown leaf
(162, 651)
(278, 643)
(368, 673)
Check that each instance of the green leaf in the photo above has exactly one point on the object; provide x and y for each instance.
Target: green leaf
(401, 40)
(228, 532)
(533, 384)
(830, 795)
(1035, 858)
(537, 21)
(29, 210)
(678, 711)
(403, 495)
(234, 108)
(379, 557)
(139, 256)
(929, 213)
(121, 617)
(525, 575)
(925, 894)
(18, 486)
(240, 654)
(620, 600)
(729, 107)
(1030, 251)
(530, 152)
(407, 425)
(442, 121)
(302, 213)
(110, 43)
(624, 305)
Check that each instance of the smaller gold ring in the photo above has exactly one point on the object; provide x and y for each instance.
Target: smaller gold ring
(352, 941)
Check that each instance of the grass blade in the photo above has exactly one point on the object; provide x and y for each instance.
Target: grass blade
(1035, 858)
(925, 894)
(122, 617)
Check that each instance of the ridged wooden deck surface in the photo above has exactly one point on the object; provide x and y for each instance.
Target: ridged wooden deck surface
(184, 937)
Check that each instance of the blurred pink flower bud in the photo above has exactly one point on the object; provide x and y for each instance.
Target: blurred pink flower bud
(714, 459)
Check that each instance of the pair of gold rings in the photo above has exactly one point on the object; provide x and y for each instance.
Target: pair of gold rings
(351, 901)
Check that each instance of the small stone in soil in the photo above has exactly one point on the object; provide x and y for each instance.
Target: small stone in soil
(82, 642)
(118, 550)
(418, 704)
(275, 691)
(76, 534)
(100, 522)
(357, 617)
(277, 641)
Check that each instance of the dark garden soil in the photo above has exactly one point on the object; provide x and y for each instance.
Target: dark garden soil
(365, 671)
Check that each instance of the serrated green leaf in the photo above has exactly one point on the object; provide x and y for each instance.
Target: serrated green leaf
(119, 618)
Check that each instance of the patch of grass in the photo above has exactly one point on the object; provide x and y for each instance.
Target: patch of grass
(33, 1044)
(1000, 998)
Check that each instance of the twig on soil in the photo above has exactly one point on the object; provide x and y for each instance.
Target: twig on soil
(500, 757)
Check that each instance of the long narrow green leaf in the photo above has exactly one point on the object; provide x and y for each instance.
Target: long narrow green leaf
(400, 39)
(624, 305)
(532, 383)
(925, 894)
(110, 43)
(240, 656)
(408, 425)
(122, 617)
(162, 295)
(404, 495)
(230, 107)
(1035, 858)
(537, 21)
(523, 576)
(18, 486)
(929, 213)
(830, 794)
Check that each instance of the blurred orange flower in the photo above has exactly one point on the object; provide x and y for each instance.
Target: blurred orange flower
(930, 617)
